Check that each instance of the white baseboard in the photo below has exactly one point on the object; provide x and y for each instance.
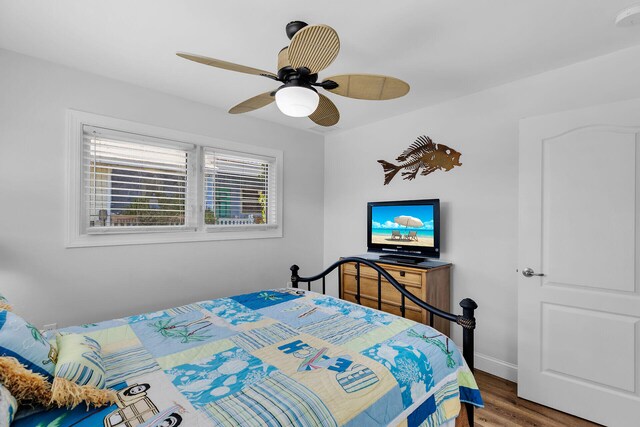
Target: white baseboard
(496, 367)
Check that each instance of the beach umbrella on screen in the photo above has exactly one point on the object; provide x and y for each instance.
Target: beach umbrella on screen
(408, 221)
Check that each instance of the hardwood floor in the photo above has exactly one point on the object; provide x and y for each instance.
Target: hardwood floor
(504, 408)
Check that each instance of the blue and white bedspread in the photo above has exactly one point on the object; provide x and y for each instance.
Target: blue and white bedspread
(277, 358)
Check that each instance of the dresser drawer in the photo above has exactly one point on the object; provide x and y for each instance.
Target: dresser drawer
(429, 285)
(369, 287)
(406, 277)
(410, 312)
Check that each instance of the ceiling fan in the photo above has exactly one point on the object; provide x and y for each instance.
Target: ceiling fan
(312, 49)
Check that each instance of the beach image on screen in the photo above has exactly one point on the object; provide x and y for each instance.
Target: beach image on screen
(405, 225)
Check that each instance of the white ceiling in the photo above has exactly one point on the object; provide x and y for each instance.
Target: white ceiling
(443, 49)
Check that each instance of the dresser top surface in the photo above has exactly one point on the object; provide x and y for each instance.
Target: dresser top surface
(429, 264)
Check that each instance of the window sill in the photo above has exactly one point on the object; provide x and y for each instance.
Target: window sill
(182, 236)
(101, 231)
(239, 228)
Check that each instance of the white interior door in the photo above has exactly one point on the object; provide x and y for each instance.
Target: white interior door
(579, 323)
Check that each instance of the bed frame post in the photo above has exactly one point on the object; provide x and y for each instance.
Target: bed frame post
(294, 276)
(468, 323)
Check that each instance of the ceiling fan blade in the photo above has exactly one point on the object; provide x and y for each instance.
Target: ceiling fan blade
(254, 103)
(283, 58)
(314, 47)
(369, 86)
(226, 65)
(326, 114)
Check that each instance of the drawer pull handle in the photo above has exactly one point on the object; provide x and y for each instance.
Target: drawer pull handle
(402, 274)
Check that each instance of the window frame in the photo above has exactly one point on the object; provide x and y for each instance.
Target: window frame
(219, 228)
(77, 234)
(190, 189)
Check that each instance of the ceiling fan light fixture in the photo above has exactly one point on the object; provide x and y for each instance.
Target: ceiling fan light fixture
(297, 101)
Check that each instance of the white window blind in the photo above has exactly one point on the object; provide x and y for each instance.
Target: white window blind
(134, 181)
(239, 189)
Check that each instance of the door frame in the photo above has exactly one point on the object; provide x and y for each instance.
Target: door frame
(530, 215)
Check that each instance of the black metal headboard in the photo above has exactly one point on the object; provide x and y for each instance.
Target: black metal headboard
(467, 320)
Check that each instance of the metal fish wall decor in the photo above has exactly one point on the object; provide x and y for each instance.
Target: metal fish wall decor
(422, 156)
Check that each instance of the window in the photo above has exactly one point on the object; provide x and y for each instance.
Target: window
(133, 183)
(238, 189)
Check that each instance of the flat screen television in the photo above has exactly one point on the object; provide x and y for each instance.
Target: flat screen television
(404, 228)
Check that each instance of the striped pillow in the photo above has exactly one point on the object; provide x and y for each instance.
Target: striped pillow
(8, 406)
(79, 374)
(80, 360)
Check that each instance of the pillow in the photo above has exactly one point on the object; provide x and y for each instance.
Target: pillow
(27, 360)
(4, 304)
(79, 374)
(26, 386)
(22, 340)
(8, 406)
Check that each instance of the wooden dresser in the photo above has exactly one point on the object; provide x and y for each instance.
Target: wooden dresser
(427, 282)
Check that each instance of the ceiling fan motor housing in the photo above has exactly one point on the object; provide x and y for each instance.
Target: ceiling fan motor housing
(293, 27)
(287, 73)
(296, 82)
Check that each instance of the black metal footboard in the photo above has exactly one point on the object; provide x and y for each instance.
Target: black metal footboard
(467, 320)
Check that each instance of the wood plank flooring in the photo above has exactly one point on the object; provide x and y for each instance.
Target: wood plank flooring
(504, 408)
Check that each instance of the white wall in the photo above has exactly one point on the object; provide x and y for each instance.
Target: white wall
(479, 199)
(48, 283)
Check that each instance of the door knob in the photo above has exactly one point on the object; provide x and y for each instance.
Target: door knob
(528, 272)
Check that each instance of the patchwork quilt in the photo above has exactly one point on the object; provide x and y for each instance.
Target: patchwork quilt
(283, 357)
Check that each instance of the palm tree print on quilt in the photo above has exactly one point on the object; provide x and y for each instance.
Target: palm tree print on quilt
(169, 335)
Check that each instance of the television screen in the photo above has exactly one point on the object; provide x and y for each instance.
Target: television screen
(410, 227)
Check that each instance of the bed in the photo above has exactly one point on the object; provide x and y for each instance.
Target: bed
(277, 357)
